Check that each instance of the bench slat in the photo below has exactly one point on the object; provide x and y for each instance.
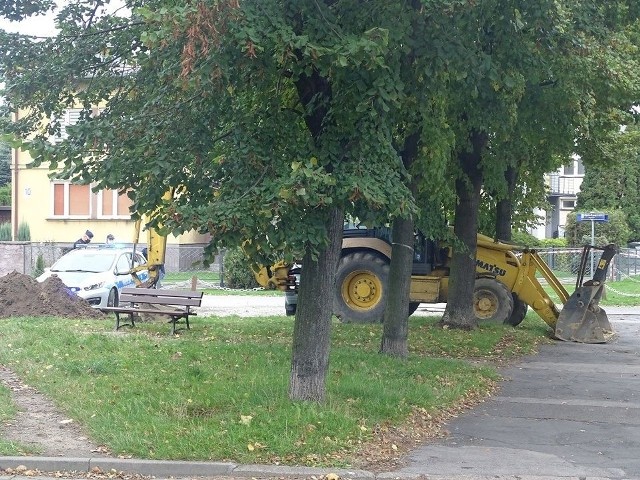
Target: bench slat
(191, 302)
(164, 293)
(175, 313)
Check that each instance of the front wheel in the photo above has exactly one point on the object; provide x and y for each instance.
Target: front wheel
(361, 288)
(519, 312)
(492, 301)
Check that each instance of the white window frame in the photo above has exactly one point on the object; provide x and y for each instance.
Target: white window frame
(114, 213)
(564, 207)
(65, 214)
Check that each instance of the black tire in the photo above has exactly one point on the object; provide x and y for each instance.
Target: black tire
(112, 301)
(492, 301)
(519, 312)
(360, 293)
(413, 306)
(290, 310)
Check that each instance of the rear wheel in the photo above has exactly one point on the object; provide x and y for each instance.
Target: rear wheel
(361, 288)
(492, 301)
(519, 311)
(112, 300)
(290, 308)
(413, 306)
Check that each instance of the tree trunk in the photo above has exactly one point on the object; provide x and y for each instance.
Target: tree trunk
(396, 315)
(504, 207)
(395, 332)
(459, 311)
(312, 327)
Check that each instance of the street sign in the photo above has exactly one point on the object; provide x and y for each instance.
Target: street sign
(593, 217)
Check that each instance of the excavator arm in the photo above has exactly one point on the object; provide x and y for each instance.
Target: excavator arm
(156, 251)
(580, 319)
(276, 276)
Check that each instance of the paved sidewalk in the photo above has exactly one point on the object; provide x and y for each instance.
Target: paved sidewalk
(571, 412)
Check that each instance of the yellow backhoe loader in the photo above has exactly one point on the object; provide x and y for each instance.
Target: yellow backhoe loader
(506, 284)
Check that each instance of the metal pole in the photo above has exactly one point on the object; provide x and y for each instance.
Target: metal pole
(593, 243)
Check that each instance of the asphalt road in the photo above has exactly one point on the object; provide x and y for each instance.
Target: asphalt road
(261, 305)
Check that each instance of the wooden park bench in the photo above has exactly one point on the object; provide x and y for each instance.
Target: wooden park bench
(177, 304)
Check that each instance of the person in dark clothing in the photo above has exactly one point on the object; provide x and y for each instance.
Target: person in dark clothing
(84, 240)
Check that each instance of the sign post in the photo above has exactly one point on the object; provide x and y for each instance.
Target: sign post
(593, 218)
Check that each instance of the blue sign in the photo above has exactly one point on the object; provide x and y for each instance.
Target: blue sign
(593, 217)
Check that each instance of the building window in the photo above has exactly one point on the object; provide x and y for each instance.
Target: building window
(70, 117)
(569, 169)
(111, 204)
(71, 201)
(77, 201)
(568, 204)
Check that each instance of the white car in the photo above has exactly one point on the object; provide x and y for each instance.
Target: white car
(97, 274)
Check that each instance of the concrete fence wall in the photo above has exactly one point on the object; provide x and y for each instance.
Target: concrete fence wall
(22, 257)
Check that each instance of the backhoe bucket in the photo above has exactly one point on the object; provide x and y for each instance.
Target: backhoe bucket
(582, 319)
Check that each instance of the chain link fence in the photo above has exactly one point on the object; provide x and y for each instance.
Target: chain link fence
(184, 262)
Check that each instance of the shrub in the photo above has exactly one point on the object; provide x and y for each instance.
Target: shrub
(237, 270)
(524, 239)
(553, 242)
(5, 195)
(5, 232)
(24, 232)
(615, 230)
(39, 270)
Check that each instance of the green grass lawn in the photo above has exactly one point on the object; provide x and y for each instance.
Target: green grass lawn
(623, 293)
(219, 391)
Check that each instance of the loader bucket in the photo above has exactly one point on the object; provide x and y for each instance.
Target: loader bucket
(582, 319)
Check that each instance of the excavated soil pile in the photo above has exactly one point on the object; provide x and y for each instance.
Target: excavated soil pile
(23, 296)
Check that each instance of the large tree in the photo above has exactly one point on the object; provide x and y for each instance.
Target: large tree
(266, 118)
(612, 180)
(520, 47)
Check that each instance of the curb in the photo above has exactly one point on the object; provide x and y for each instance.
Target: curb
(168, 468)
(48, 468)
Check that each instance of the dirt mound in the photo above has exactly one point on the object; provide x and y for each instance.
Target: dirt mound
(23, 296)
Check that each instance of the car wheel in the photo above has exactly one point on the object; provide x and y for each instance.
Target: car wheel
(112, 301)
(413, 306)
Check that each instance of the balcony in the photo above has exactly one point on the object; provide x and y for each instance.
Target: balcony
(564, 185)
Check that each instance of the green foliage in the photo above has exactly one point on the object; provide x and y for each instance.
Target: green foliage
(24, 232)
(5, 195)
(614, 231)
(5, 162)
(237, 270)
(553, 242)
(232, 372)
(524, 239)
(5, 231)
(612, 181)
(39, 268)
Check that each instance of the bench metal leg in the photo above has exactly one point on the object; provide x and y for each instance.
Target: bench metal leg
(175, 319)
(131, 321)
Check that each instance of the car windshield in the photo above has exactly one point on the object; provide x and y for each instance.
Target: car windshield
(84, 262)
